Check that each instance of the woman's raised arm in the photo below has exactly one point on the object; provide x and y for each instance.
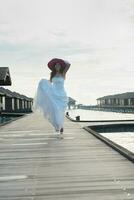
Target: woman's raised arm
(67, 67)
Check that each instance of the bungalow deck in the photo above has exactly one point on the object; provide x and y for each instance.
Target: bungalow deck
(36, 165)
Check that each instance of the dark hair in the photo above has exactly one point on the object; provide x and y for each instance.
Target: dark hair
(53, 73)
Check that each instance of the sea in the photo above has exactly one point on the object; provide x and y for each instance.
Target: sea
(124, 139)
(4, 119)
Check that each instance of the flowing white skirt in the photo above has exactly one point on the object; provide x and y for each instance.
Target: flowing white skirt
(51, 102)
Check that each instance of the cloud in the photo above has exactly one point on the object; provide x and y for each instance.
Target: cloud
(97, 37)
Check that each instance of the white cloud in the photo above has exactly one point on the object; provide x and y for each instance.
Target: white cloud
(97, 37)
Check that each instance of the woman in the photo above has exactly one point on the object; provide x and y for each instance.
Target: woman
(51, 97)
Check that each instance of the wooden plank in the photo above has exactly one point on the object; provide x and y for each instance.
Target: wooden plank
(36, 164)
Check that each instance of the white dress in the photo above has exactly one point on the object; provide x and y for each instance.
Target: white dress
(51, 99)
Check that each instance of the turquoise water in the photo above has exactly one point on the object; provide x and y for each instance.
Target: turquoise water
(4, 119)
(99, 115)
(123, 138)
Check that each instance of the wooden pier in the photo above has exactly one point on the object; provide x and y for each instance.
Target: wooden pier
(35, 164)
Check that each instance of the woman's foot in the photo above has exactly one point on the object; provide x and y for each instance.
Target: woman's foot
(61, 131)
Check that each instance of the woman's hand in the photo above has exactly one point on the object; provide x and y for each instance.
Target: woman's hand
(67, 67)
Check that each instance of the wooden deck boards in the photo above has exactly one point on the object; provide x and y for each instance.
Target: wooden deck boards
(36, 165)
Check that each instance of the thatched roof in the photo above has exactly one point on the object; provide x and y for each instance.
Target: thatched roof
(71, 100)
(5, 78)
(5, 92)
(9, 93)
(127, 95)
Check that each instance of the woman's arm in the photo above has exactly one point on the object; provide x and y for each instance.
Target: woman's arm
(67, 67)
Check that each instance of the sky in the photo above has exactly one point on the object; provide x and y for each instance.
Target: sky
(95, 36)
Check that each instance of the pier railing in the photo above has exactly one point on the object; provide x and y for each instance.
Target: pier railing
(108, 108)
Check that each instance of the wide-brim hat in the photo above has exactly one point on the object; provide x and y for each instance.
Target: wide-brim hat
(51, 64)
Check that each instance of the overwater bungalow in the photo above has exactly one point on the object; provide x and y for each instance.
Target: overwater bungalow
(13, 102)
(71, 103)
(119, 102)
(5, 78)
(124, 99)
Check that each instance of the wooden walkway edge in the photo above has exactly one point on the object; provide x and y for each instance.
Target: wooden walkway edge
(35, 164)
(123, 151)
